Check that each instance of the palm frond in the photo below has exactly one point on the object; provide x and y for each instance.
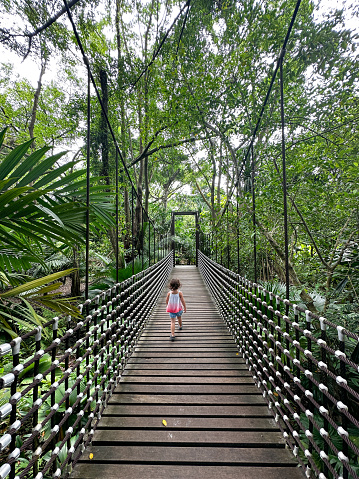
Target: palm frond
(35, 284)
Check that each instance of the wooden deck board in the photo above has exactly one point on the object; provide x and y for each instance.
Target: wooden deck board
(198, 454)
(217, 422)
(157, 471)
(182, 366)
(196, 410)
(192, 389)
(184, 399)
(183, 360)
(188, 379)
(188, 438)
(186, 374)
(188, 423)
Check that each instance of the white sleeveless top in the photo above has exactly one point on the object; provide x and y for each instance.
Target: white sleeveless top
(174, 304)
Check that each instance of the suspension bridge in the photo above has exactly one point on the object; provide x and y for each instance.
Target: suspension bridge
(249, 388)
(189, 409)
(253, 386)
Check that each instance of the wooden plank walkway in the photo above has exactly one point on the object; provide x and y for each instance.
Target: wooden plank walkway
(218, 425)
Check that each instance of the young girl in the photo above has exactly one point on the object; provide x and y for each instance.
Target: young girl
(176, 305)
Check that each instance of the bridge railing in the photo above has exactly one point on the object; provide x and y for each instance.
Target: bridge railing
(302, 365)
(67, 393)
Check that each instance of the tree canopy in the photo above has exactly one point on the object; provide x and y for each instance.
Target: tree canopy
(182, 85)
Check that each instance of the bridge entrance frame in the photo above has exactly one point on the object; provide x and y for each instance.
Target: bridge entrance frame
(184, 213)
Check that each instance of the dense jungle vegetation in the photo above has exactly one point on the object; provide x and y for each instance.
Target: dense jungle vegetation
(183, 94)
(183, 86)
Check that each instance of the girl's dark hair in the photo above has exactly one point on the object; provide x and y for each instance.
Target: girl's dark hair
(175, 284)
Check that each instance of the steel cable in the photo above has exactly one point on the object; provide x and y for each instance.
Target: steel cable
(274, 75)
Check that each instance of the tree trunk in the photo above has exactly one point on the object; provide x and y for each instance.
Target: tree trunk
(104, 129)
(36, 102)
(75, 276)
(127, 235)
(120, 81)
(327, 288)
(138, 212)
(144, 132)
(145, 140)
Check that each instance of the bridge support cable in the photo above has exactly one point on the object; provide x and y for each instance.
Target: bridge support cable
(284, 181)
(88, 173)
(228, 248)
(117, 219)
(266, 99)
(149, 242)
(303, 378)
(238, 263)
(132, 233)
(253, 183)
(118, 151)
(94, 350)
(154, 246)
(142, 241)
(249, 151)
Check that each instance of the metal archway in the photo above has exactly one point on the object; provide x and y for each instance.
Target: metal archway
(184, 213)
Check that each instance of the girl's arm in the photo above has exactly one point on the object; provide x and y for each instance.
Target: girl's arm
(168, 297)
(183, 302)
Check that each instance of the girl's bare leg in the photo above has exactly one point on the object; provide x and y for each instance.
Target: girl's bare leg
(173, 324)
(179, 318)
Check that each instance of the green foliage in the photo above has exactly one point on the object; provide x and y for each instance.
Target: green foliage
(57, 117)
(184, 129)
(105, 277)
(43, 209)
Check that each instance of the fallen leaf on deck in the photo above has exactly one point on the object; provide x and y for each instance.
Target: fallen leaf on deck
(164, 422)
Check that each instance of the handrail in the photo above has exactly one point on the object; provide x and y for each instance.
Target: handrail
(93, 353)
(300, 362)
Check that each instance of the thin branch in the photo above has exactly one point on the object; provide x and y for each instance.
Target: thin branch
(162, 147)
(62, 134)
(8, 118)
(183, 27)
(308, 232)
(144, 154)
(334, 265)
(51, 20)
(321, 135)
(202, 172)
(155, 54)
(46, 25)
(201, 193)
(302, 218)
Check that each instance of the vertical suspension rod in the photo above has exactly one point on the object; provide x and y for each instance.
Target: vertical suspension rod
(132, 233)
(285, 210)
(116, 217)
(237, 231)
(142, 240)
(228, 256)
(149, 241)
(254, 216)
(87, 258)
(253, 135)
